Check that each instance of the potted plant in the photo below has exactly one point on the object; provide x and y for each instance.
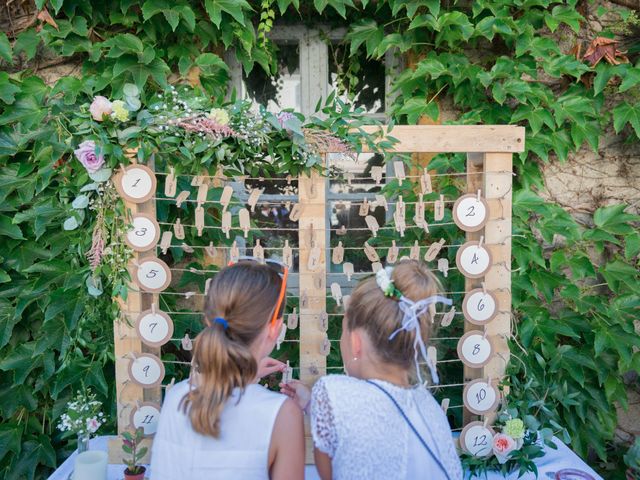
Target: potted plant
(131, 447)
(632, 461)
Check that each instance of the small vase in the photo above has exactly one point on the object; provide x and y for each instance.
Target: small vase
(83, 442)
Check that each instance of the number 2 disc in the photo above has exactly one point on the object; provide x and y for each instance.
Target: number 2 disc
(476, 439)
(480, 397)
(469, 213)
(146, 416)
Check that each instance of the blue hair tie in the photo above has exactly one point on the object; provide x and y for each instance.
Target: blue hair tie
(222, 322)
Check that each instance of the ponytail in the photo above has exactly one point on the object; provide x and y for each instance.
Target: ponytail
(242, 297)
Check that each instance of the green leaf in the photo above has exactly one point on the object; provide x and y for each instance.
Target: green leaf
(234, 8)
(563, 14)
(27, 42)
(7, 89)
(5, 49)
(173, 18)
(612, 219)
(8, 229)
(630, 79)
(625, 113)
(604, 72)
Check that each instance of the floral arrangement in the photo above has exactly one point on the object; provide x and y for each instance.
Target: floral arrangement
(383, 279)
(514, 448)
(83, 415)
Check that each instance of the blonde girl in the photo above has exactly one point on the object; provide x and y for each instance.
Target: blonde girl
(221, 423)
(377, 422)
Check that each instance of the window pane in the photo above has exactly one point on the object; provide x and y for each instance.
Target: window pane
(282, 90)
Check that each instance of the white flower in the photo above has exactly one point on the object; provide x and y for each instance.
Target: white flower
(383, 279)
(92, 425)
(100, 107)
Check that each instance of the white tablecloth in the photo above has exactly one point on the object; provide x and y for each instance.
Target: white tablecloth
(553, 461)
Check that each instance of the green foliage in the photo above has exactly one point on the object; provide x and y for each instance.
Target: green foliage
(575, 287)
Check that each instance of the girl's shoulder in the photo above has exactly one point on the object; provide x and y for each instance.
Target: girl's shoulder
(337, 384)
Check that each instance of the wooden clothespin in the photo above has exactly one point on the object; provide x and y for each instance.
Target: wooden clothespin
(188, 295)
(371, 253)
(336, 292)
(325, 347)
(287, 373)
(345, 302)
(292, 319)
(178, 230)
(225, 198)
(337, 256)
(170, 183)
(447, 318)
(438, 208)
(433, 250)
(182, 196)
(289, 178)
(481, 241)
(170, 384)
(165, 241)
(197, 180)
(445, 405)
(258, 251)
(425, 182)
(207, 284)
(414, 253)
(318, 282)
(398, 168)
(443, 266)
(253, 198)
(364, 208)
(349, 176)
(245, 221)
(234, 253)
(419, 217)
(392, 253)
(226, 223)
(203, 191)
(304, 299)
(376, 174)
(295, 213)
(315, 254)
(283, 333)
(186, 343)
(432, 354)
(381, 201)
(400, 224)
(372, 224)
(323, 321)
(219, 176)
(200, 220)
(186, 248)
(347, 269)
(341, 231)
(287, 255)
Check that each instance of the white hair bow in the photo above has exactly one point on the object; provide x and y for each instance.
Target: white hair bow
(412, 311)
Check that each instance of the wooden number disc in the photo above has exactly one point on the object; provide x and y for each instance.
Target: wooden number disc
(153, 275)
(476, 439)
(480, 397)
(146, 370)
(137, 184)
(154, 328)
(469, 213)
(474, 350)
(144, 233)
(146, 416)
(473, 260)
(479, 307)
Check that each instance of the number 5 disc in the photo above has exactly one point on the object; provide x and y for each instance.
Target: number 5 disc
(153, 275)
(480, 397)
(470, 213)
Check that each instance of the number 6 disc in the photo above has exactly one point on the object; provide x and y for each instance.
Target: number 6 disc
(479, 307)
(144, 232)
(154, 328)
(480, 397)
(153, 275)
(470, 213)
(476, 439)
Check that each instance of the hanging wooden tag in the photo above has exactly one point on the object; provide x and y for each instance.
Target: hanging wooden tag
(438, 209)
(323, 321)
(425, 182)
(325, 347)
(292, 319)
(364, 208)
(225, 198)
(443, 266)
(258, 251)
(234, 254)
(295, 213)
(470, 212)
(144, 232)
(203, 190)
(146, 370)
(182, 196)
(318, 282)
(165, 241)
(376, 174)
(432, 355)
(398, 168)
(281, 336)
(338, 254)
(372, 224)
(170, 184)
(347, 269)
(153, 275)
(207, 285)
(199, 220)
(178, 230)
(414, 254)
(287, 374)
(341, 231)
(315, 259)
(371, 253)
(336, 292)
(254, 197)
(376, 267)
(401, 207)
(245, 221)
(393, 252)
(445, 405)
(447, 318)
(381, 201)
(226, 223)
(419, 217)
(186, 343)
(287, 255)
(398, 218)
(135, 183)
(197, 180)
(433, 250)
(304, 299)
(186, 248)
(210, 250)
(473, 259)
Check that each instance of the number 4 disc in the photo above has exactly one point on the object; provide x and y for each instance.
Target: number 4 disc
(480, 397)
(470, 213)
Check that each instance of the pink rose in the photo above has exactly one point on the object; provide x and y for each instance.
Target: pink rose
(86, 154)
(100, 107)
(503, 445)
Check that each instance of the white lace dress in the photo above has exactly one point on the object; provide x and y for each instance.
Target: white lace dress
(365, 435)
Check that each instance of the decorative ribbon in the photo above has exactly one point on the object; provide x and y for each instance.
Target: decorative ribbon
(412, 311)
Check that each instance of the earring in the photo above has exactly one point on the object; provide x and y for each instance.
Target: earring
(355, 359)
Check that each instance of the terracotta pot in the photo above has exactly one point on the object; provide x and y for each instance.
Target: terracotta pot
(138, 476)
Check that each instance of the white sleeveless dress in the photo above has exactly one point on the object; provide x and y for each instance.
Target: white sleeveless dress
(241, 452)
(365, 435)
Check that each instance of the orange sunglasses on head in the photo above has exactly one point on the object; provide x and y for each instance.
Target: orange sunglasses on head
(281, 269)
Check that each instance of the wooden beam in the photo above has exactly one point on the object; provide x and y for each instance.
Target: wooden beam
(454, 138)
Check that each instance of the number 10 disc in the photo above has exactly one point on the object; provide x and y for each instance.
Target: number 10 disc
(480, 397)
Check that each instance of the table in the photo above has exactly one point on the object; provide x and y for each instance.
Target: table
(553, 461)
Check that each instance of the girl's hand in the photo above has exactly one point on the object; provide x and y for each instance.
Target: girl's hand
(269, 365)
(298, 391)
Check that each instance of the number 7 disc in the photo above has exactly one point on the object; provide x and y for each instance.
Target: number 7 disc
(154, 328)
(470, 213)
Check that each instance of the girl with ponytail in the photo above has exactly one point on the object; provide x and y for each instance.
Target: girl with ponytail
(221, 424)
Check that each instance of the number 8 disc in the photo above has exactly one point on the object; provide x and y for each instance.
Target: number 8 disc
(469, 213)
(480, 397)
(474, 349)
(144, 232)
(479, 307)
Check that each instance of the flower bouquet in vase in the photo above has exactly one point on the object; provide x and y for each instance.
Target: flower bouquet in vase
(135, 453)
(83, 417)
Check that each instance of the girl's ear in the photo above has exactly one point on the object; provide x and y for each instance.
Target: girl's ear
(355, 341)
(274, 329)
